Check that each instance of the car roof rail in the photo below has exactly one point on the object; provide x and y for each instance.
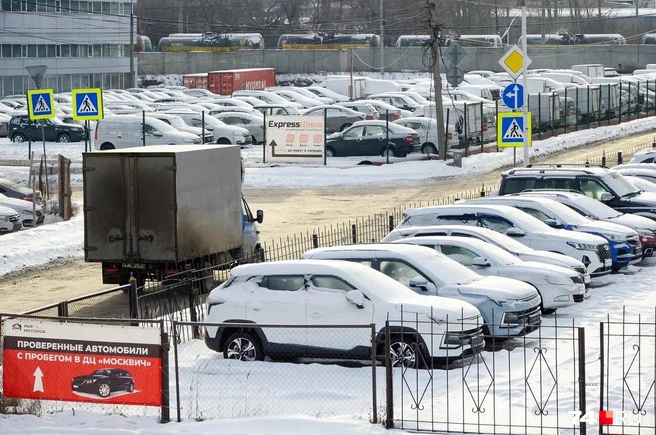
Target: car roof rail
(542, 170)
(567, 165)
(550, 190)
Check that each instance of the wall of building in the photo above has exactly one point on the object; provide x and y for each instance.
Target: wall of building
(399, 59)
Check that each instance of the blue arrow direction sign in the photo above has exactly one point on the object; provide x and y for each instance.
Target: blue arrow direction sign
(87, 104)
(41, 104)
(513, 96)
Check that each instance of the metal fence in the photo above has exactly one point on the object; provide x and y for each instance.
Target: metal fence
(111, 303)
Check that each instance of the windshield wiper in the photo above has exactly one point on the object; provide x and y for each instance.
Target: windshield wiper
(632, 194)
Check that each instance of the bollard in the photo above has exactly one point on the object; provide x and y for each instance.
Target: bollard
(603, 158)
(619, 157)
(483, 191)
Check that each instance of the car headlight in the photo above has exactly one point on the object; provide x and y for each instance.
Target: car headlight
(582, 246)
(555, 280)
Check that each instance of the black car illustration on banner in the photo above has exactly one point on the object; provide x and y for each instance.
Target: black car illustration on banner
(103, 382)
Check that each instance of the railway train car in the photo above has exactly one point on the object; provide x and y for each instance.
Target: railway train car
(648, 38)
(317, 41)
(143, 44)
(211, 42)
(575, 39)
(464, 40)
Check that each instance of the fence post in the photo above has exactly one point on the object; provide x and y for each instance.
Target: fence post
(354, 234)
(578, 110)
(620, 111)
(374, 357)
(619, 157)
(582, 407)
(174, 327)
(62, 309)
(389, 382)
(165, 410)
(387, 150)
(315, 241)
(539, 116)
(133, 302)
(483, 191)
(482, 129)
(601, 368)
(390, 219)
(603, 158)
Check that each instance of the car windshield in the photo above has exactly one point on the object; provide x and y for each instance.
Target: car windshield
(527, 222)
(161, 125)
(620, 185)
(594, 208)
(102, 372)
(566, 214)
(506, 242)
(56, 121)
(449, 271)
(499, 255)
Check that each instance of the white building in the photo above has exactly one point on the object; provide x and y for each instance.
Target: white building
(83, 44)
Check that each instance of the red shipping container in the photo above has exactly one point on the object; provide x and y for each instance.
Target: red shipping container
(195, 81)
(228, 81)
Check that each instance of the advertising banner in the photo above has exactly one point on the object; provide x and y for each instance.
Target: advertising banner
(294, 139)
(82, 362)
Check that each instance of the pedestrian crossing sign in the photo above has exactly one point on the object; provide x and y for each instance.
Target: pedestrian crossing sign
(510, 130)
(87, 104)
(41, 104)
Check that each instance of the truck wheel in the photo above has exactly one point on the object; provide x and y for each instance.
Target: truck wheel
(106, 146)
(429, 148)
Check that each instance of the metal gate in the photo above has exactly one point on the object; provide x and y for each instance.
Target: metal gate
(532, 384)
(627, 366)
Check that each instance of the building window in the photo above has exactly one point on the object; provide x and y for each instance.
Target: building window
(75, 7)
(90, 7)
(16, 5)
(58, 51)
(30, 6)
(17, 50)
(97, 51)
(52, 50)
(24, 5)
(121, 50)
(65, 6)
(65, 50)
(105, 7)
(58, 7)
(5, 5)
(75, 52)
(89, 50)
(50, 6)
(96, 7)
(31, 50)
(41, 5)
(5, 51)
(114, 8)
(41, 50)
(23, 51)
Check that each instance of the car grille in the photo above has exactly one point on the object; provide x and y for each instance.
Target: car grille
(532, 316)
(634, 241)
(14, 218)
(473, 337)
(579, 298)
(603, 252)
(577, 279)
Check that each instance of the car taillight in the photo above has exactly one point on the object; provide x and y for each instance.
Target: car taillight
(171, 272)
(111, 271)
(408, 139)
(26, 198)
(485, 126)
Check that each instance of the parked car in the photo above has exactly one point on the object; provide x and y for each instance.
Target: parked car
(593, 251)
(427, 130)
(502, 241)
(625, 246)
(222, 133)
(10, 221)
(387, 112)
(359, 106)
(25, 209)
(4, 124)
(104, 382)
(179, 124)
(303, 91)
(253, 123)
(314, 293)
(20, 128)
(645, 171)
(373, 138)
(338, 118)
(15, 190)
(642, 184)
(603, 184)
(277, 109)
(647, 155)
(509, 308)
(327, 93)
(124, 131)
(558, 287)
(295, 97)
(398, 100)
(597, 210)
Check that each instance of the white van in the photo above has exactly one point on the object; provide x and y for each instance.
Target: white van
(125, 131)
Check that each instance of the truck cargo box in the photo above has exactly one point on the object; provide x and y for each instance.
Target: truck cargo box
(162, 203)
(252, 79)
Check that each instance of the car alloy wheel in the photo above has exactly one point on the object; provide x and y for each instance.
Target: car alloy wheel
(63, 138)
(242, 346)
(403, 353)
(104, 390)
(19, 138)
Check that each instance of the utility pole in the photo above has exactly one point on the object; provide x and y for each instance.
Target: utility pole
(180, 19)
(525, 84)
(433, 30)
(131, 48)
(382, 38)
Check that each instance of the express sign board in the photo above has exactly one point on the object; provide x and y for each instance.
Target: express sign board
(82, 362)
(294, 138)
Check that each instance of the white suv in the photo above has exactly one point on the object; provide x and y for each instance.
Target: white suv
(593, 251)
(315, 293)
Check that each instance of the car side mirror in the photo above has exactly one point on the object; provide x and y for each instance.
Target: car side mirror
(515, 232)
(422, 284)
(606, 196)
(157, 134)
(553, 223)
(480, 262)
(356, 298)
(260, 216)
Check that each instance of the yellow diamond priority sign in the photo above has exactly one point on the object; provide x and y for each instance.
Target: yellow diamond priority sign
(513, 61)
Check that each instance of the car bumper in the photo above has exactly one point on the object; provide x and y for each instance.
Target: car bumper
(28, 223)
(10, 227)
(559, 296)
(648, 246)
